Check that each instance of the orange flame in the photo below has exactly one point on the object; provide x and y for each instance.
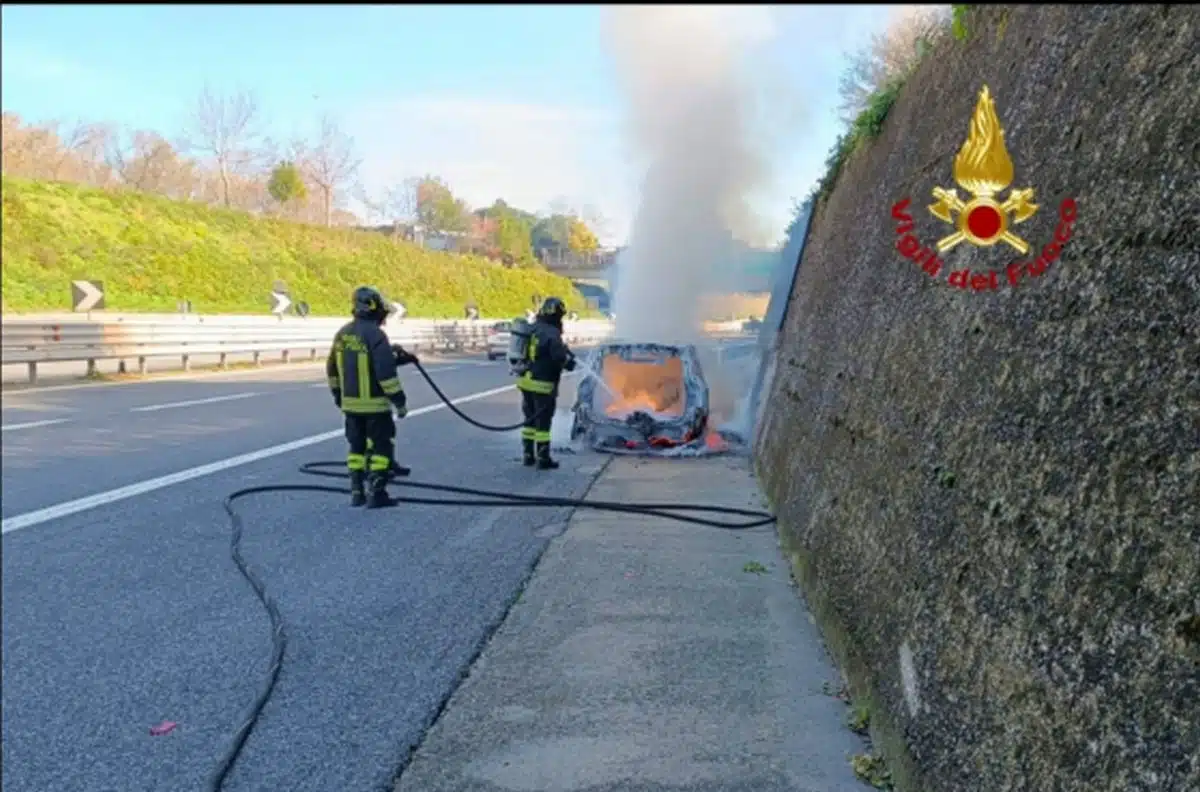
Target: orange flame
(649, 387)
(983, 166)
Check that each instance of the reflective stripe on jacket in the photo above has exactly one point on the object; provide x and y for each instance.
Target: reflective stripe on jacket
(362, 368)
(547, 356)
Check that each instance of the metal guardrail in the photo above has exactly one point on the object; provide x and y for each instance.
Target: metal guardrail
(31, 341)
(132, 337)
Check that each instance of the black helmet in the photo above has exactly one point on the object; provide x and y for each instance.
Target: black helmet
(369, 303)
(553, 309)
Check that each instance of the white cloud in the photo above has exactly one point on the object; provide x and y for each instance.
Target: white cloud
(528, 154)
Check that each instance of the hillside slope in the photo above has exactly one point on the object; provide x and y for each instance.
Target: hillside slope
(151, 252)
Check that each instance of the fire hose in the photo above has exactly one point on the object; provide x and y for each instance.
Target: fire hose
(479, 497)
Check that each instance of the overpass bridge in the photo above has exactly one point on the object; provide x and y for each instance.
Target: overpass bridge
(596, 285)
(748, 271)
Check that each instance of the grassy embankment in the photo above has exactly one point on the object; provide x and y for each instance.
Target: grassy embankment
(151, 252)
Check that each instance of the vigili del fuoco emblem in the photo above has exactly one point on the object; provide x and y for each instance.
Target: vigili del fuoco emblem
(984, 169)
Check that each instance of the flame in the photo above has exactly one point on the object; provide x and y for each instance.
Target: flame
(983, 166)
(631, 386)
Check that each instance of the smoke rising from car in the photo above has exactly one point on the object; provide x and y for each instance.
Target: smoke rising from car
(691, 108)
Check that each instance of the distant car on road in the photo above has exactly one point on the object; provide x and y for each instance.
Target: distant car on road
(498, 338)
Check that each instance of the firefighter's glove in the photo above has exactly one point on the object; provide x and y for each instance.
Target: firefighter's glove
(337, 398)
(570, 364)
(403, 356)
(401, 411)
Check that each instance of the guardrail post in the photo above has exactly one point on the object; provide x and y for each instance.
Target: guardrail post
(222, 364)
(257, 358)
(91, 367)
(312, 354)
(142, 365)
(185, 360)
(32, 373)
(121, 366)
(287, 354)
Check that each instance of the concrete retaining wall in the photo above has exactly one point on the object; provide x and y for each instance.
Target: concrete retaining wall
(992, 497)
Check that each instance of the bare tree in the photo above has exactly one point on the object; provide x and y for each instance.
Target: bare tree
(890, 55)
(329, 163)
(31, 152)
(375, 204)
(402, 200)
(11, 131)
(80, 153)
(225, 129)
(149, 163)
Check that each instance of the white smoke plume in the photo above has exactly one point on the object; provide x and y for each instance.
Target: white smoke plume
(691, 108)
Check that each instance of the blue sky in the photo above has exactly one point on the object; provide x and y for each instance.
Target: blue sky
(511, 101)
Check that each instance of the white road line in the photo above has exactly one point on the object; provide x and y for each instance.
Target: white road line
(193, 402)
(32, 424)
(142, 487)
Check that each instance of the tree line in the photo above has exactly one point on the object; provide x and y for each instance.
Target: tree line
(499, 231)
(223, 156)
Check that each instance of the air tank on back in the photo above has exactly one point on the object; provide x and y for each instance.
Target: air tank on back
(518, 345)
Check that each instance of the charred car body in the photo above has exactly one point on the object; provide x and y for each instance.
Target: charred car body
(641, 398)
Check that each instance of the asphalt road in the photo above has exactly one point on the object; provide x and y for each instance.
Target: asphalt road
(122, 608)
(125, 610)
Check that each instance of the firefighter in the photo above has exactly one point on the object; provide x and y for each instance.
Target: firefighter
(361, 369)
(547, 358)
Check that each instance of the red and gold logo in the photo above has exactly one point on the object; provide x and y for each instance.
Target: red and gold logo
(983, 169)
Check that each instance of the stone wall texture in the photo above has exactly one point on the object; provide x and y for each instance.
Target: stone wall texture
(992, 498)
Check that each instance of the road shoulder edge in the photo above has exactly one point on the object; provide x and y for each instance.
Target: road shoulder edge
(493, 629)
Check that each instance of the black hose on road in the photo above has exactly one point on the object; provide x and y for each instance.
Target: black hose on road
(478, 497)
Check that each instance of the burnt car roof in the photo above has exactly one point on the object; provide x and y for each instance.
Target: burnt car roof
(640, 431)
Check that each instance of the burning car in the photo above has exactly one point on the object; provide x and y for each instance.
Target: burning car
(642, 398)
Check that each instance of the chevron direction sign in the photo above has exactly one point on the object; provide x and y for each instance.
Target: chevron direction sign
(280, 302)
(87, 295)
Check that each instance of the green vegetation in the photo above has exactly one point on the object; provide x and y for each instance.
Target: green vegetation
(286, 184)
(858, 719)
(151, 252)
(871, 769)
(865, 127)
(958, 21)
(438, 210)
(223, 159)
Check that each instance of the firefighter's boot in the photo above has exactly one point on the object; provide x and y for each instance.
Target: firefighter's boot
(377, 494)
(544, 462)
(357, 495)
(398, 470)
(529, 459)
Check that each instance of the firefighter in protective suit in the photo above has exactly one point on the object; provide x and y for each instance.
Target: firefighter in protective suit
(361, 369)
(546, 360)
